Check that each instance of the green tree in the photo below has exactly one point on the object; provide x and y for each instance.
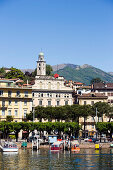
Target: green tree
(102, 108)
(14, 73)
(6, 128)
(40, 112)
(2, 71)
(29, 116)
(34, 73)
(17, 127)
(75, 112)
(85, 111)
(96, 80)
(9, 118)
(48, 70)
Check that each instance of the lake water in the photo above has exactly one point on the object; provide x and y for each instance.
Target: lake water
(43, 159)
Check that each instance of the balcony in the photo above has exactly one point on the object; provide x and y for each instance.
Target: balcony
(4, 107)
(18, 96)
(26, 95)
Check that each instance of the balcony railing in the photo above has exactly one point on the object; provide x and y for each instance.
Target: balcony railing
(26, 95)
(3, 107)
(18, 95)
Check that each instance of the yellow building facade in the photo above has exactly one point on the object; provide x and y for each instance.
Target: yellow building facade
(15, 101)
(90, 122)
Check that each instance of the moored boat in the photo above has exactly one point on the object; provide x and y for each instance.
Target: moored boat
(57, 146)
(75, 148)
(111, 145)
(9, 147)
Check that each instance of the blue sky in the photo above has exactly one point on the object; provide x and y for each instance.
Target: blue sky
(68, 31)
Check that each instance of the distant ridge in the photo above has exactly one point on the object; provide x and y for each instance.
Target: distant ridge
(84, 73)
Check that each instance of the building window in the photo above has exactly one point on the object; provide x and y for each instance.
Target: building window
(49, 95)
(92, 103)
(9, 102)
(9, 93)
(3, 103)
(58, 103)
(16, 102)
(3, 112)
(9, 84)
(16, 112)
(57, 95)
(25, 103)
(33, 94)
(84, 102)
(66, 102)
(92, 119)
(18, 93)
(1, 92)
(41, 94)
(92, 126)
(25, 112)
(58, 86)
(40, 85)
(26, 93)
(79, 92)
(40, 102)
(9, 112)
(49, 85)
(49, 103)
(100, 119)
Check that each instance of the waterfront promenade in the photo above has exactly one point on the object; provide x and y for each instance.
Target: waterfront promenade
(85, 145)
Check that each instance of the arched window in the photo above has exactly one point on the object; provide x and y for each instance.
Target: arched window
(49, 85)
(58, 85)
(40, 85)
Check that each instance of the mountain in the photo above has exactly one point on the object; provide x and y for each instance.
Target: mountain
(84, 73)
(62, 66)
(29, 70)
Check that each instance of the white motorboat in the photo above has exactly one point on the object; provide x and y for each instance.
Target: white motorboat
(9, 147)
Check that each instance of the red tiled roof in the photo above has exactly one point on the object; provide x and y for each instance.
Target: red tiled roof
(93, 95)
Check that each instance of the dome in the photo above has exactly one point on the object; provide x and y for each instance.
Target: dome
(41, 54)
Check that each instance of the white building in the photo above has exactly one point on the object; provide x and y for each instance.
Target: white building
(48, 90)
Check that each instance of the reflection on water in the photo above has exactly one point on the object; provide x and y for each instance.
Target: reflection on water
(44, 159)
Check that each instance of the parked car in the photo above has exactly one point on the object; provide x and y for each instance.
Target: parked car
(95, 140)
(88, 139)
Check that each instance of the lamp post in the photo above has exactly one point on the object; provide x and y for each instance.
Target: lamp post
(96, 123)
(33, 120)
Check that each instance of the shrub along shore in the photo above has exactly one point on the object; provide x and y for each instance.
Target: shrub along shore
(68, 128)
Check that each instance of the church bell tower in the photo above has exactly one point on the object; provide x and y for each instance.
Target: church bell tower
(41, 65)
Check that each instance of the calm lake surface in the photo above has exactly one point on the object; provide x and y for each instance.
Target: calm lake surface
(44, 159)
